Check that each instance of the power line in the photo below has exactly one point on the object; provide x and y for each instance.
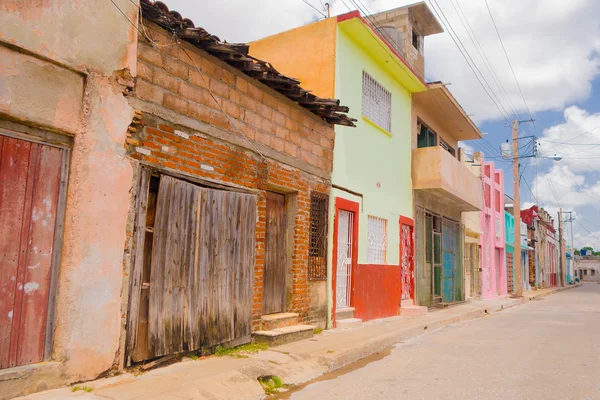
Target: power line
(508, 59)
(452, 33)
(314, 8)
(573, 138)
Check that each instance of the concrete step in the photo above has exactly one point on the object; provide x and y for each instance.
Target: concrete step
(344, 313)
(348, 323)
(442, 305)
(413, 311)
(286, 334)
(279, 320)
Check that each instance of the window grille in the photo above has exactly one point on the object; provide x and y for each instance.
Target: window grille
(377, 240)
(317, 249)
(376, 102)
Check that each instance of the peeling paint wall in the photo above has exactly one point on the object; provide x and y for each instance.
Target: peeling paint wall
(62, 64)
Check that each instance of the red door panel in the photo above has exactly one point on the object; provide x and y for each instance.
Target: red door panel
(29, 183)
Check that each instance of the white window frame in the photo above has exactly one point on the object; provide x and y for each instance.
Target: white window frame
(377, 240)
(376, 103)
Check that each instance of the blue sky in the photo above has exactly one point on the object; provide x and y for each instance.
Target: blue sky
(553, 47)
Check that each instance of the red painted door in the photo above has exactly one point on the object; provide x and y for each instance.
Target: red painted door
(407, 258)
(29, 185)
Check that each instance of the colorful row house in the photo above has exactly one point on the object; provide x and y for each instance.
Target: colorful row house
(542, 237)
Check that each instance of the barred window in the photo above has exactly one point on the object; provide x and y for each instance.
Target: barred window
(376, 102)
(377, 240)
(317, 249)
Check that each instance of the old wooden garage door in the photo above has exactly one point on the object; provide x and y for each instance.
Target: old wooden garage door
(193, 286)
(29, 186)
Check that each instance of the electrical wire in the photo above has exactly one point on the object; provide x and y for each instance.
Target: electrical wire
(314, 8)
(508, 59)
(451, 32)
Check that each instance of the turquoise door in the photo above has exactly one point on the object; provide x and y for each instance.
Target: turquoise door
(449, 260)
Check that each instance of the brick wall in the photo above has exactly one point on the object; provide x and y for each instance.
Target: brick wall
(182, 80)
(273, 125)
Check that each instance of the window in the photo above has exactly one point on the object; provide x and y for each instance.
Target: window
(585, 271)
(416, 41)
(488, 195)
(377, 240)
(317, 248)
(593, 271)
(376, 103)
(426, 137)
(447, 147)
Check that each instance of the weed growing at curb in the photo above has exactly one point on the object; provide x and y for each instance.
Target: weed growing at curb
(84, 388)
(241, 351)
(271, 384)
(317, 331)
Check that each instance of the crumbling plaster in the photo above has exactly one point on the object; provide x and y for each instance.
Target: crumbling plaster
(63, 64)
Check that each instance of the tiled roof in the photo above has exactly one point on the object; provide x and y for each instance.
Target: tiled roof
(237, 56)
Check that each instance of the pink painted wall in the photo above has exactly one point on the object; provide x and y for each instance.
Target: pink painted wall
(492, 240)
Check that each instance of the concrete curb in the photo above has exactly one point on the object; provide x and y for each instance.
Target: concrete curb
(300, 365)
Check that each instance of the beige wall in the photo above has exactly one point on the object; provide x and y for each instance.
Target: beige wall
(428, 118)
(63, 67)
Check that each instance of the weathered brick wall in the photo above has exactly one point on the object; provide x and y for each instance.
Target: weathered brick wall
(276, 127)
(167, 76)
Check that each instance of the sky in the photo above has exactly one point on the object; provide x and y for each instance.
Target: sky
(553, 48)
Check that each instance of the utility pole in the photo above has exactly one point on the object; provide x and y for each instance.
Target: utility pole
(517, 209)
(560, 246)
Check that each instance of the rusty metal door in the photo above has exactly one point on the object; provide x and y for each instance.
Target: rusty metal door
(274, 287)
(30, 175)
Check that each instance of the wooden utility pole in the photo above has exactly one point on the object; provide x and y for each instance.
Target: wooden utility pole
(517, 210)
(560, 245)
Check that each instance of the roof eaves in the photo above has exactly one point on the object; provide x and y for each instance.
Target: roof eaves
(237, 56)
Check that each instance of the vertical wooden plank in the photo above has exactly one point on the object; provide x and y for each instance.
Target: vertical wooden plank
(57, 252)
(275, 255)
(38, 258)
(137, 262)
(14, 168)
(245, 272)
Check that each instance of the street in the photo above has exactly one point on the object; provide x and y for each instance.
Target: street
(545, 349)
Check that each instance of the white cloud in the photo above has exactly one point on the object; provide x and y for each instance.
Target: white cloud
(574, 140)
(467, 148)
(591, 238)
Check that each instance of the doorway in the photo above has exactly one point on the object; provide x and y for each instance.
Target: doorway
(274, 288)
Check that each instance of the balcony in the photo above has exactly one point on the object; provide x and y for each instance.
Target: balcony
(436, 173)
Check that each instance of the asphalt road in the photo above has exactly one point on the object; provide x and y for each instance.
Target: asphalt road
(545, 349)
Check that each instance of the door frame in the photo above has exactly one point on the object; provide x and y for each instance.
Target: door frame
(22, 132)
(354, 207)
(410, 222)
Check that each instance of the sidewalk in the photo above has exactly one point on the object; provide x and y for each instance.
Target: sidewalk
(295, 363)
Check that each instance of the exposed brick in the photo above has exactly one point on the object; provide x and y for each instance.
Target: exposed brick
(270, 101)
(253, 119)
(291, 124)
(211, 68)
(175, 103)
(148, 54)
(256, 93)
(166, 128)
(219, 88)
(291, 149)
(281, 133)
(175, 67)
(231, 109)
(249, 103)
(145, 71)
(199, 112)
(199, 79)
(191, 92)
(227, 77)
(306, 145)
(277, 144)
(218, 119)
(267, 126)
(241, 84)
(166, 80)
(263, 138)
(147, 91)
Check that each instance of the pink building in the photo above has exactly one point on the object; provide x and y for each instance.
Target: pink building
(492, 239)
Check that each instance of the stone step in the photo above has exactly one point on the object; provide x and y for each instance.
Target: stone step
(279, 320)
(348, 323)
(413, 311)
(442, 305)
(344, 313)
(286, 334)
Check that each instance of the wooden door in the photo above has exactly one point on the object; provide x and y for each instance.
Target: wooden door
(200, 274)
(274, 287)
(407, 258)
(29, 186)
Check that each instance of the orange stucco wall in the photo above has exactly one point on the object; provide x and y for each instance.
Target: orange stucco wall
(306, 53)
